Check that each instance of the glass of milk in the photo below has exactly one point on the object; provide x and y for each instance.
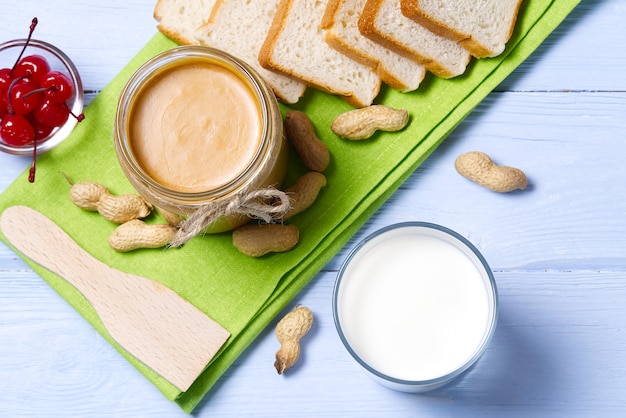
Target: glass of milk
(416, 305)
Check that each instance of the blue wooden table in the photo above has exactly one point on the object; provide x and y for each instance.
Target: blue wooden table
(557, 250)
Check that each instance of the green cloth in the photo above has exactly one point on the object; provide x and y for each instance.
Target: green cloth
(241, 293)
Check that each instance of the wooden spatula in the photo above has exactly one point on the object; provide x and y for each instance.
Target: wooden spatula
(147, 319)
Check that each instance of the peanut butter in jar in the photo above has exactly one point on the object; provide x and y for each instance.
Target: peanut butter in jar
(196, 126)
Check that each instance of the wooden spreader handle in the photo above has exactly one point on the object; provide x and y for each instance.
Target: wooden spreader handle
(149, 320)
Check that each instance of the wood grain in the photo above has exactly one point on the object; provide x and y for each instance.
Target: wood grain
(150, 321)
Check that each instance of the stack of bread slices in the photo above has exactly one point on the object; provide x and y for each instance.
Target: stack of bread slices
(344, 47)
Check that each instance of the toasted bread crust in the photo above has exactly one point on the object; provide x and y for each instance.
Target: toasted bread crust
(316, 43)
(175, 36)
(213, 23)
(214, 11)
(267, 61)
(413, 10)
(388, 78)
(328, 19)
(265, 53)
(368, 28)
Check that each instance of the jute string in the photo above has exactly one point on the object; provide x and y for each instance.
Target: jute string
(265, 204)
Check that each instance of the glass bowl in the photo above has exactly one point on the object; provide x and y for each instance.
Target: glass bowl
(415, 304)
(9, 51)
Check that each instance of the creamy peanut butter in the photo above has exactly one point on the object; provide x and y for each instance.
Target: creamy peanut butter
(194, 127)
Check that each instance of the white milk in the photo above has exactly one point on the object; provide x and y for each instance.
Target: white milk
(415, 304)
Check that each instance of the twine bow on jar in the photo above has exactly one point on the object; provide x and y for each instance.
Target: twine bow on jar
(266, 204)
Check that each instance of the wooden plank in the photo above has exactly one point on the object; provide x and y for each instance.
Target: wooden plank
(559, 334)
(569, 146)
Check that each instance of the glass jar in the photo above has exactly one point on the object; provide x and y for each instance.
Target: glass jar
(196, 126)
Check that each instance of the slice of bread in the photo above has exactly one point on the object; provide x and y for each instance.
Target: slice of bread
(483, 27)
(239, 27)
(180, 19)
(295, 46)
(340, 23)
(382, 21)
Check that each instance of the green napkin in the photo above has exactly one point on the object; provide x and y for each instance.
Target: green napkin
(241, 293)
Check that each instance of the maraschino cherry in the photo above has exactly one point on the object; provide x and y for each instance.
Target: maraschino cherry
(32, 67)
(33, 101)
(58, 87)
(21, 97)
(18, 129)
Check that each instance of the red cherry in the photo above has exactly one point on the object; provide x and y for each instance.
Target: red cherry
(33, 67)
(23, 99)
(41, 131)
(4, 88)
(51, 113)
(5, 78)
(4, 107)
(59, 86)
(16, 130)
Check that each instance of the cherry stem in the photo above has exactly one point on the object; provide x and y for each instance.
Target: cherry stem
(33, 167)
(79, 118)
(39, 90)
(9, 100)
(33, 24)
